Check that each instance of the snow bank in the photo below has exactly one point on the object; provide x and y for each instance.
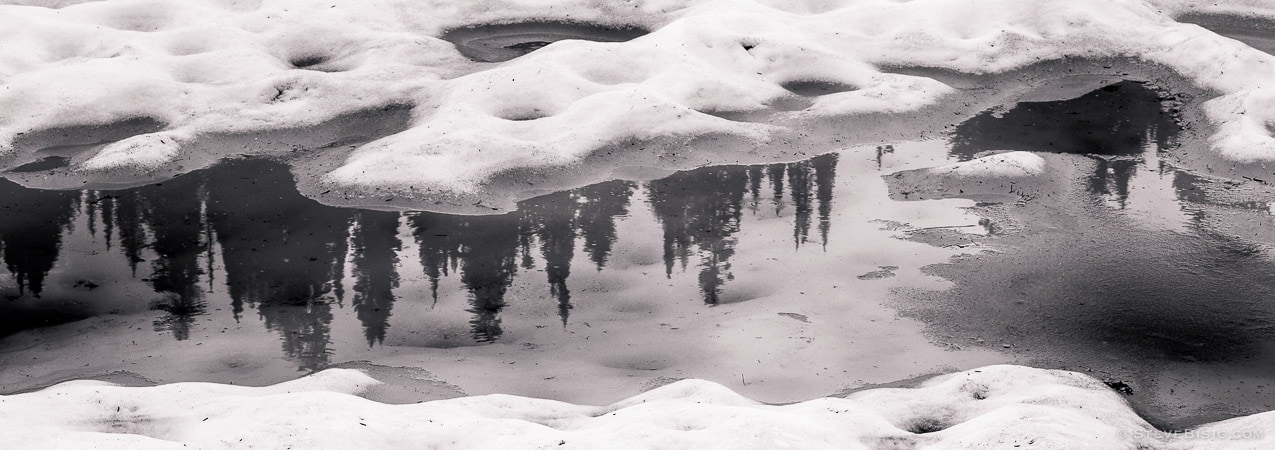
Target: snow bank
(209, 67)
(1014, 164)
(995, 406)
(1018, 174)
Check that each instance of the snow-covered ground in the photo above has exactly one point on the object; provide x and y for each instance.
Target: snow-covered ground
(990, 407)
(202, 70)
(205, 68)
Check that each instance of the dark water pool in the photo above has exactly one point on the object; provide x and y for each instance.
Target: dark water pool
(1125, 266)
(503, 42)
(1256, 32)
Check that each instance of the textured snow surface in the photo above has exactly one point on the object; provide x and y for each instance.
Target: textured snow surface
(208, 67)
(1001, 165)
(992, 407)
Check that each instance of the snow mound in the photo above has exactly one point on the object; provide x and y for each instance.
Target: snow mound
(1018, 174)
(212, 67)
(995, 406)
(1001, 165)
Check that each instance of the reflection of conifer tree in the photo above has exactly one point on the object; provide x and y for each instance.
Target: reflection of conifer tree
(799, 185)
(776, 174)
(281, 252)
(375, 257)
(1119, 120)
(104, 209)
(487, 248)
(130, 224)
(702, 208)
(551, 218)
(438, 237)
(524, 248)
(488, 263)
(755, 176)
(88, 199)
(825, 184)
(172, 213)
(484, 249)
(1112, 178)
(31, 226)
(600, 205)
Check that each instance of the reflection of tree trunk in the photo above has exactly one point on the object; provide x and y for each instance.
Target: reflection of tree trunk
(281, 252)
(375, 257)
(31, 226)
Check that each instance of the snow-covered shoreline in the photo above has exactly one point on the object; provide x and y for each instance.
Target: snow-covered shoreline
(990, 407)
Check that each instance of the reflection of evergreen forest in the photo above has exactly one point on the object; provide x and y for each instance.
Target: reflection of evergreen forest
(1114, 125)
(700, 211)
(243, 229)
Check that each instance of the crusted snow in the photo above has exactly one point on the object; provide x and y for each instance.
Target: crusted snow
(216, 66)
(990, 407)
(1001, 165)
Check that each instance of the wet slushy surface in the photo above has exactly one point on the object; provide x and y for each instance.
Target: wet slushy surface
(784, 281)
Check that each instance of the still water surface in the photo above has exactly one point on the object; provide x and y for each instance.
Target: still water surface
(785, 281)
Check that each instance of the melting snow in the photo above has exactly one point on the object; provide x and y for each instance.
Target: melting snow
(204, 67)
(994, 406)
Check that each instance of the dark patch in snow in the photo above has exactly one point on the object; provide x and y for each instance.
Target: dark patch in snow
(801, 317)
(1257, 32)
(46, 163)
(885, 272)
(815, 88)
(71, 141)
(926, 425)
(503, 42)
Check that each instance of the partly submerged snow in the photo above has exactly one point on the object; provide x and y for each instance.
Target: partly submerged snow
(991, 407)
(201, 69)
(127, 91)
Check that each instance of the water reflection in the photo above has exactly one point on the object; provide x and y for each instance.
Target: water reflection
(31, 228)
(31, 233)
(699, 211)
(488, 262)
(1129, 273)
(179, 235)
(1121, 127)
(283, 253)
(241, 233)
(374, 249)
(1121, 119)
